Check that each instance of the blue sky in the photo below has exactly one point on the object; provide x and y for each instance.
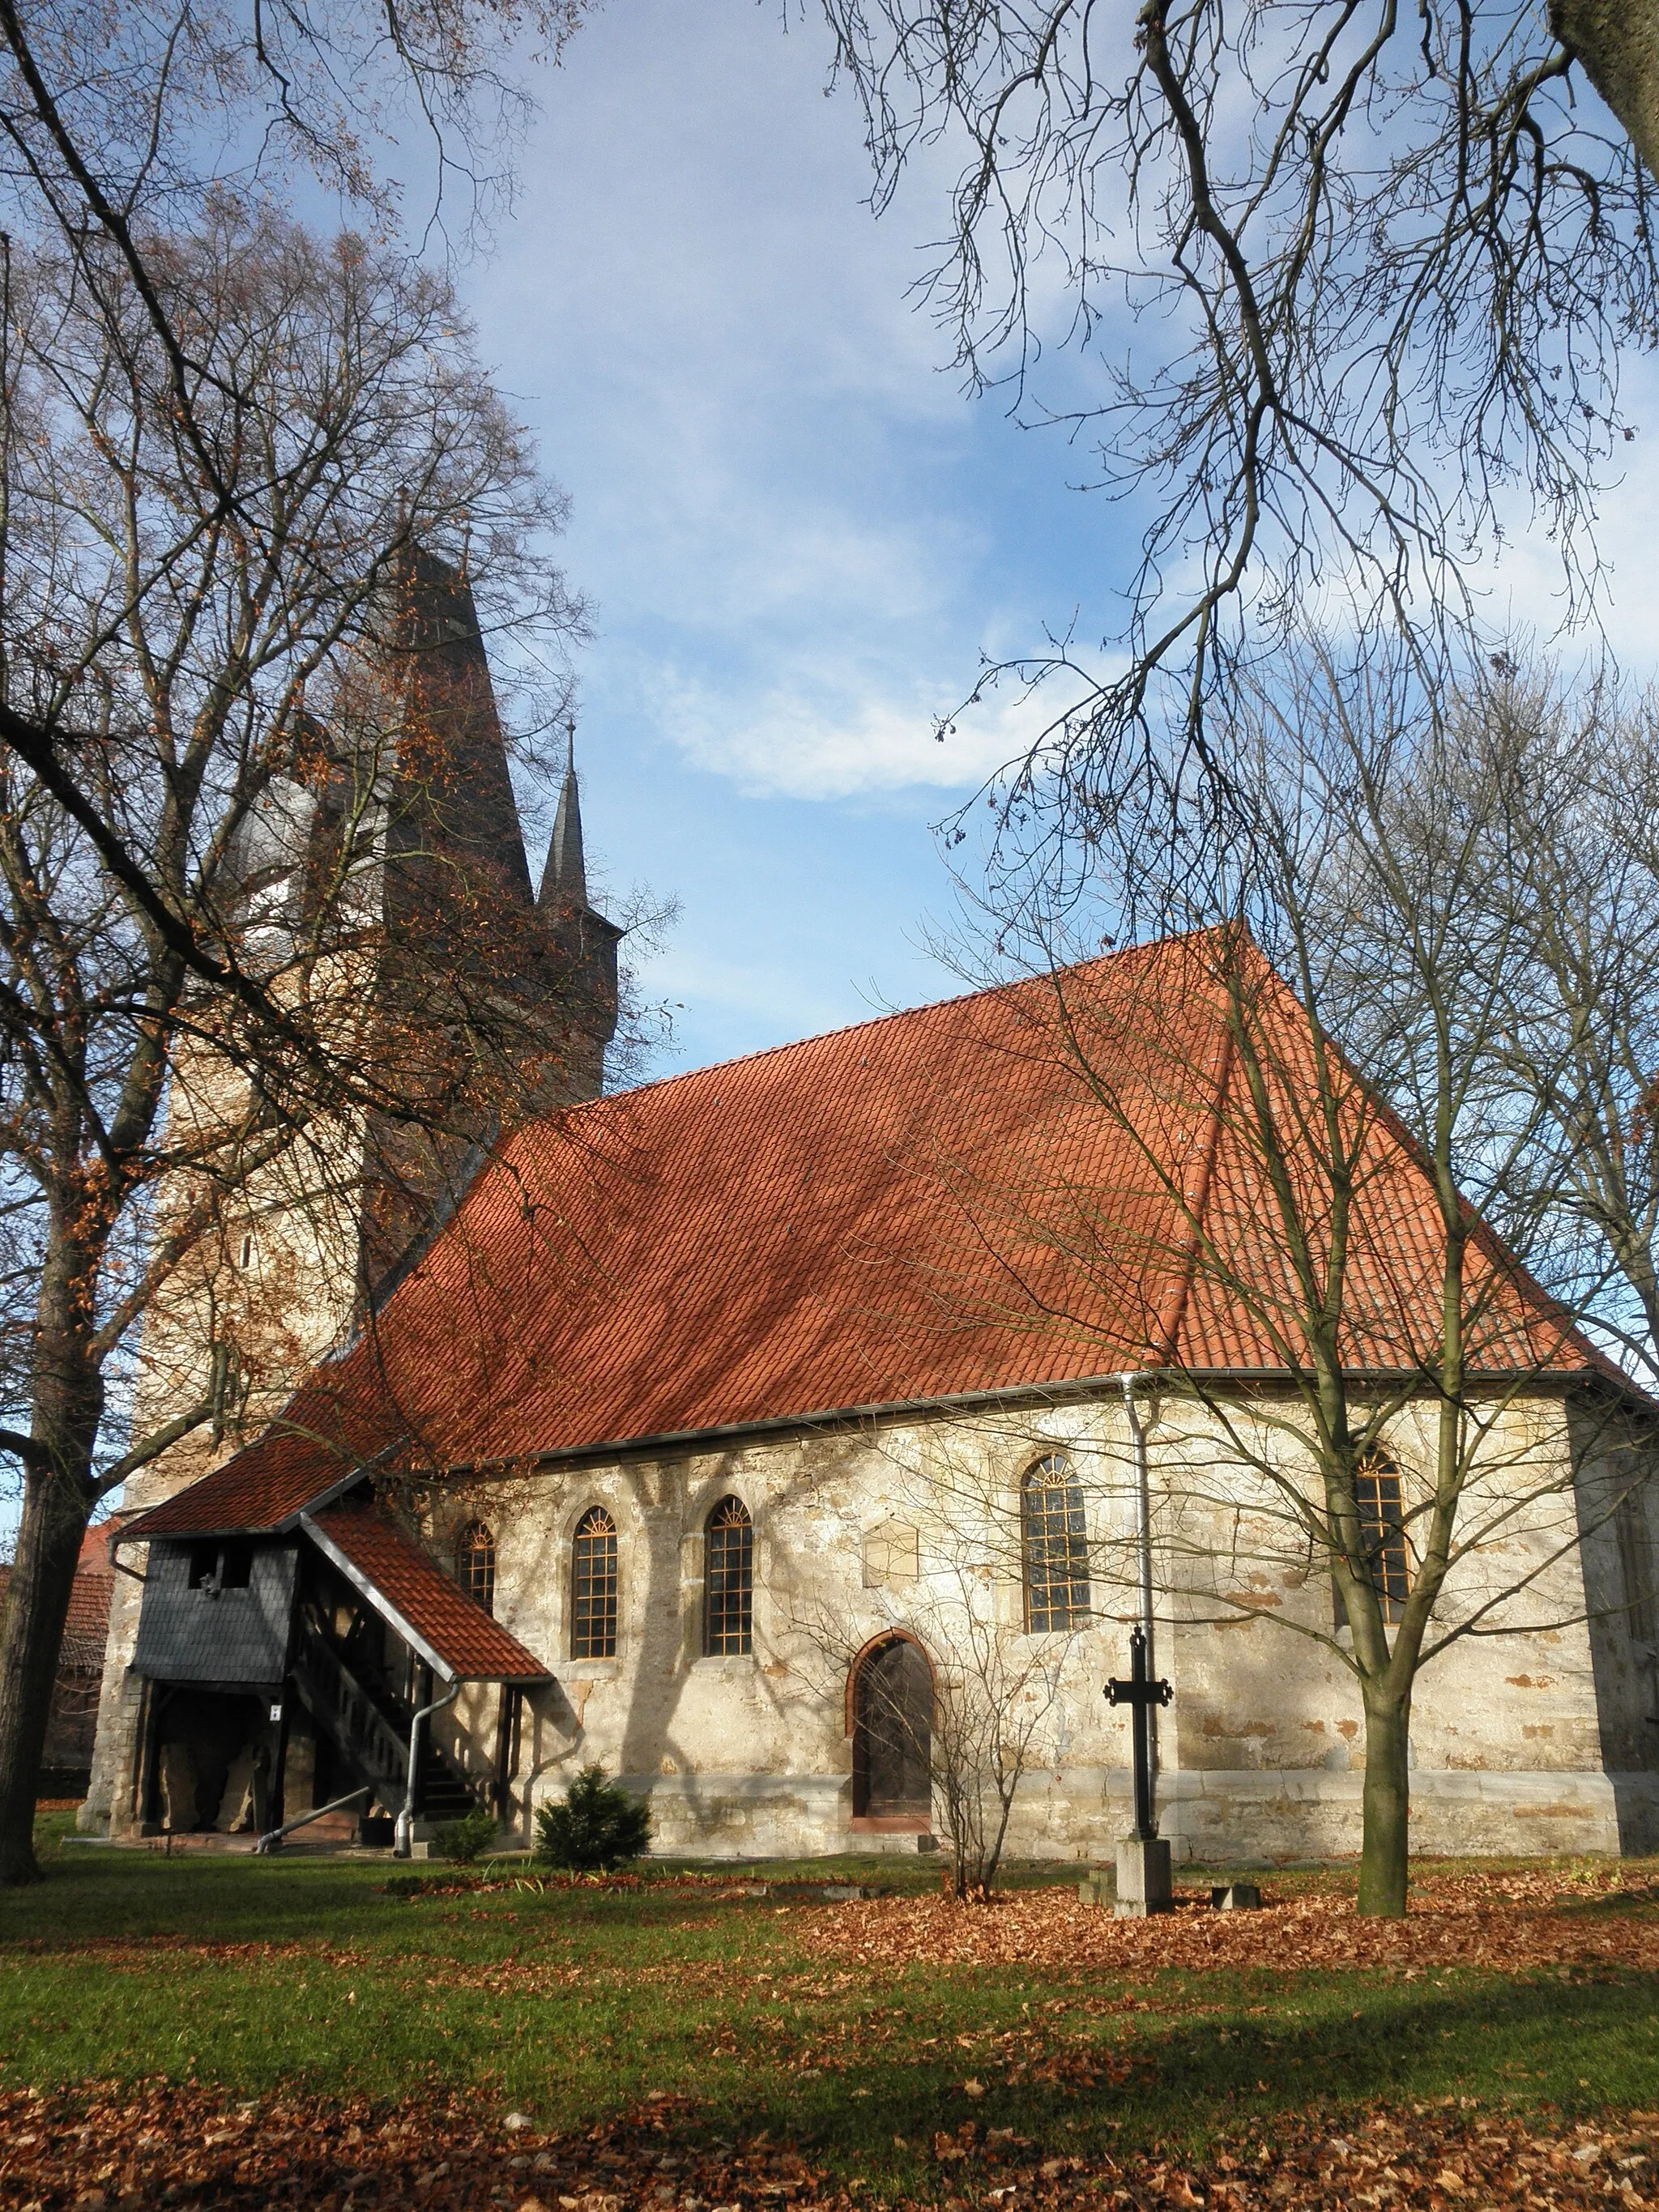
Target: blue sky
(799, 533)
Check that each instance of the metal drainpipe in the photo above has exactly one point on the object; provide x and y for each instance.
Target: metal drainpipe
(403, 1834)
(1143, 1546)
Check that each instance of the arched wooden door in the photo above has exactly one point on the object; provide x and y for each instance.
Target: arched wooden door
(892, 1733)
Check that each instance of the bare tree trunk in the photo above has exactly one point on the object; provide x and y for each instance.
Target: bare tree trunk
(1383, 1849)
(958, 1813)
(57, 1500)
(1005, 1814)
(1617, 44)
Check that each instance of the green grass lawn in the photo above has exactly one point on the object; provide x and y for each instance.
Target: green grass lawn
(574, 2004)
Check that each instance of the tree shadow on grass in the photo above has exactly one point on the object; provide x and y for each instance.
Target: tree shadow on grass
(834, 2061)
(1534, 2043)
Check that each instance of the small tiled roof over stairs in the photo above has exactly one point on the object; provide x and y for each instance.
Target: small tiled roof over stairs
(456, 1636)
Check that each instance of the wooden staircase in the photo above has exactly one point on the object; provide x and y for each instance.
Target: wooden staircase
(368, 1728)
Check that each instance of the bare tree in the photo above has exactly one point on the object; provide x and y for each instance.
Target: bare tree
(214, 616)
(1357, 278)
(1311, 1089)
(119, 129)
(994, 1703)
(948, 1685)
(1565, 777)
(1573, 776)
(1358, 281)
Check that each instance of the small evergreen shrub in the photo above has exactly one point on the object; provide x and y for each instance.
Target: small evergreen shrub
(461, 1841)
(599, 1825)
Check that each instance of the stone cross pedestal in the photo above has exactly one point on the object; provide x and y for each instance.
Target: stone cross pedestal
(1143, 1877)
(1143, 1858)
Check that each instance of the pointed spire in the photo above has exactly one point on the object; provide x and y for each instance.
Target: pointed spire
(565, 877)
(454, 791)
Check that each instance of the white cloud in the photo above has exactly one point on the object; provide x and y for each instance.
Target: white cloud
(1523, 585)
(818, 737)
(712, 340)
(794, 560)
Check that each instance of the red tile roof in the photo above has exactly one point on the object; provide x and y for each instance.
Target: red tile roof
(457, 1633)
(315, 1445)
(993, 1194)
(85, 1624)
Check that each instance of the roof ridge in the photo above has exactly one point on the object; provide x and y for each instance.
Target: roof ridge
(871, 1021)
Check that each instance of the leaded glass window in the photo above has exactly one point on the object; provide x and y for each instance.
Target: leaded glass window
(1382, 1531)
(593, 1587)
(728, 1585)
(474, 1565)
(1055, 1545)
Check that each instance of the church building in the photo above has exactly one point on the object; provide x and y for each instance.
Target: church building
(724, 1418)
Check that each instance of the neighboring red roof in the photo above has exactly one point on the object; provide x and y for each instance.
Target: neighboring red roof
(86, 1622)
(986, 1196)
(459, 1633)
(94, 1546)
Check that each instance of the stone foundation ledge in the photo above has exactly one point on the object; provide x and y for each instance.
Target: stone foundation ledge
(1637, 1798)
(743, 1816)
(1216, 1815)
(751, 1816)
(1314, 1813)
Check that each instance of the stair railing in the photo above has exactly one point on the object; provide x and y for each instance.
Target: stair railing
(372, 1740)
(348, 1709)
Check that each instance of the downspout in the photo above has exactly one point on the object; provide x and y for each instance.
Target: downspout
(1143, 1544)
(272, 1840)
(403, 1834)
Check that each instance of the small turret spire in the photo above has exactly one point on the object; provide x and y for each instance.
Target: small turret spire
(565, 877)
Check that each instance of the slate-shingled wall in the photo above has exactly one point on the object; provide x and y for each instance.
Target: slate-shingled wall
(188, 1635)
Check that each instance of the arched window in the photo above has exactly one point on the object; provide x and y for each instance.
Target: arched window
(474, 1565)
(593, 1586)
(1382, 1530)
(728, 1579)
(1055, 1545)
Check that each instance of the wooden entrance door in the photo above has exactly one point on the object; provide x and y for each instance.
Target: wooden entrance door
(892, 1735)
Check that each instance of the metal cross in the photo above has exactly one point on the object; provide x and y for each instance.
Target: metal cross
(1140, 1694)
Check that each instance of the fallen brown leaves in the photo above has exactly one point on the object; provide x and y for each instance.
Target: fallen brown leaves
(1497, 1923)
(119, 2148)
(541, 1881)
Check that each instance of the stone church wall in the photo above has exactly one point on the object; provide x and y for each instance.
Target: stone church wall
(1524, 1740)
(275, 1275)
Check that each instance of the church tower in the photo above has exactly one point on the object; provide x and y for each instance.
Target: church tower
(585, 941)
(482, 1000)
